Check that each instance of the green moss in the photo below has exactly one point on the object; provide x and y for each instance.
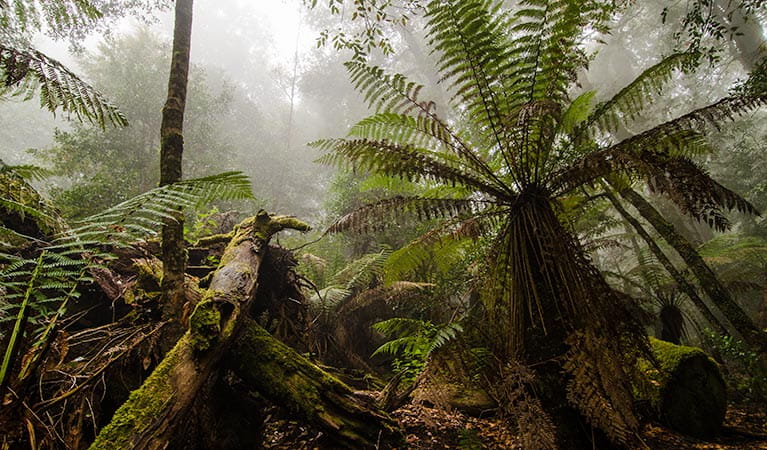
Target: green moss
(143, 406)
(687, 389)
(204, 326)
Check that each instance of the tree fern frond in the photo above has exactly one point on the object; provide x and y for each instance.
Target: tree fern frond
(404, 161)
(360, 273)
(57, 15)
(386, 92)
(382, 214)
(23, 71)
(651, 155)
(629, 102)
(465, 34)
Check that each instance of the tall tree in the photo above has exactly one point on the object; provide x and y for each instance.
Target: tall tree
(171, 151)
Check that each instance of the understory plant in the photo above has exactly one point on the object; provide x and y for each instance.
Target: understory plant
(517, 143)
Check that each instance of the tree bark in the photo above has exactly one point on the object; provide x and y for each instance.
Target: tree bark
(171, 151)
(667, 264)
(148, 418)
(716, 292)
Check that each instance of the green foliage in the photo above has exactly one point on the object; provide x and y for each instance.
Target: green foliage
(745, 374)
(517, 148)
(414, 340)
(36, 291)
(203, 224)
(24, 72)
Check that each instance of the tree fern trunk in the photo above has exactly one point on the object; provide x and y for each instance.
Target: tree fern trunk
(171, 151)
(718, 294)
(667, 264)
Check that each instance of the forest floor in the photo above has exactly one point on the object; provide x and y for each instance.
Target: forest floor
(429, 428)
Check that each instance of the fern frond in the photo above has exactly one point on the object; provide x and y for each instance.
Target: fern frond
(360, 273)
(629, 102)
(57, 15)
(385, 213)
(404, 161)
(144, 214)
(24, 71)
(598, 386)
(443, 335)
(386, 92)
(652, 156)
(465, 34)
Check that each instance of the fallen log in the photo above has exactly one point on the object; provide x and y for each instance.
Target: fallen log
(151, 414)
(686, 391)
(219, 328)
(286, 378)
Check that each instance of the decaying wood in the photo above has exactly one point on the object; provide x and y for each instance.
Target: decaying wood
(280, 374)
(148, 418)
(220, 326)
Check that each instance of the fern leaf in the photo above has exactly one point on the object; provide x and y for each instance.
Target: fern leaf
(24, 70)
(385, 213)
(632, 99)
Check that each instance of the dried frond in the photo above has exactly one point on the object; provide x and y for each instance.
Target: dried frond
(513, 391)
(598, 386)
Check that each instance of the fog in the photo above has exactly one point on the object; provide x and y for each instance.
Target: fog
(275, 91)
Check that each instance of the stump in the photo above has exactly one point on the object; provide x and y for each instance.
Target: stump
(686, 391)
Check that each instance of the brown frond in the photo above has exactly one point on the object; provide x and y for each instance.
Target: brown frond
(655, 157)
(598, 386)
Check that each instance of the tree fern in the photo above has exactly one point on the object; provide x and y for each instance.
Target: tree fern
(521, 146)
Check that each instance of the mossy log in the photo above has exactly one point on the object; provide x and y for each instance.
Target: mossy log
(687, 389)
(280, 374)
(150, 415)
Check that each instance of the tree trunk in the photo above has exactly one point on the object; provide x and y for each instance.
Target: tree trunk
(718, 294)
(171, 151)
(286, 378)
(667, 264)
(149, 417)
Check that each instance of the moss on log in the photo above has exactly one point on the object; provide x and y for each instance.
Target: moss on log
(281, 374)
(150, 416)
(687, 389)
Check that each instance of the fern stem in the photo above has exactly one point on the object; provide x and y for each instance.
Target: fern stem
(18, 329)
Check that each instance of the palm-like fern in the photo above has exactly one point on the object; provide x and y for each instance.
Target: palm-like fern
(523, 146)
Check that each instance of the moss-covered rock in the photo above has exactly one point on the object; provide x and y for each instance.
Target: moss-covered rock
(687, 389)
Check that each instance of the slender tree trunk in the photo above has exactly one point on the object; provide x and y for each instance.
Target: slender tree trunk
(718, 294)
(171, 151)
(667, 264)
